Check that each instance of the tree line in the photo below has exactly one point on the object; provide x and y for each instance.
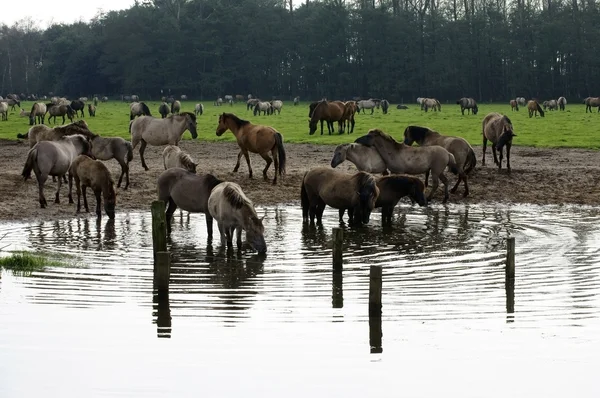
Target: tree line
(491, 50)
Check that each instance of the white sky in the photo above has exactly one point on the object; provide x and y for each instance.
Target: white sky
(43, 12)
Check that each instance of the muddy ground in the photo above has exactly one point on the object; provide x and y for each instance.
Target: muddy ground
(539, 176)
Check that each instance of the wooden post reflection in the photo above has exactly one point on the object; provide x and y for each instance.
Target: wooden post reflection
(337, 249)
(338, 290)
(510, 279)
(375, 334)
(163, 313)
(375, 289)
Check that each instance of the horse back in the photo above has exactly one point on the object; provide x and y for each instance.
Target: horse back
(334, 188)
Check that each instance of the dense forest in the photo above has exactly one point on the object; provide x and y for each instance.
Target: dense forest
(398, 49)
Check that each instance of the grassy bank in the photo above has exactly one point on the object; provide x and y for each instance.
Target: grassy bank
(26, 262)
(572, 128)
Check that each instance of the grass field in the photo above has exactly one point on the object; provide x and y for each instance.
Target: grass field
(571, 128)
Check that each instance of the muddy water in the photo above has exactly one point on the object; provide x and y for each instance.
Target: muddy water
(282, 325)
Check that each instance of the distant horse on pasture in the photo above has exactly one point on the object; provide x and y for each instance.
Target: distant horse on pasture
(164, 109)
(106, 148)
(431, 103)
(534, 107)
(265, 107)
(562, 103)
(92, 110)
(592, 102)
(366, 104)
(251, 103)
(329, 112)
(78, 106)
(514, 105)
(384, 106)
(60, 110)
(138, 109)
(521, 101)
(175, 107)
(198, 109)
(276, 105)
(468, 104)
(4, 110)
(38, 113)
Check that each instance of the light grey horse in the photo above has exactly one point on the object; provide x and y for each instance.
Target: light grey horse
(106, 148)
(184, 97)
(251, 103)
(157, 132)
(104, 99)
(138, 109)
(296, 100)
(364, 158)
(164, 110)
(173, 156)
(562, 102)
(235, 212)
(431, 103)
(175, 107)
(4, 110)
(54, 158)
(366, 104)
(135, 98)
(264, 107)
(276, 105)
(521, 101)
(229, 99)
(199, 109)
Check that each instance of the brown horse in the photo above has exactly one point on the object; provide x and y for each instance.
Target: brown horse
(327, 111)
(257, 139)
(534, 107)
(591, 102)
(514, 105)
(404, 159)
(395, 187)
(94, 174)
(499, 130)
(323, 186)
(457, 146)
(350, 109)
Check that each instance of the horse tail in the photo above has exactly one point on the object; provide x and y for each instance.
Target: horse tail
(145, 109)
(304, 199)
(452, 164)
(281, 153)
(23, 136)
(470, 162)
(29, 164)
(129, 151)
(439, 105)
(539, 108)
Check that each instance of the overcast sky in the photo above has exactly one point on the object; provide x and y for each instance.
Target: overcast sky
(43, 12)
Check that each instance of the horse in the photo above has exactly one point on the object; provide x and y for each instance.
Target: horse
(264, 107)
(499, 130)
(364, 158)
(189, 191)
(296, 100)
(401, 106)
(175, 107)
(60, 110)
(463, 153)
(44, 133)
(239, 97)
(198, 109)
(164, 110)
(229, 99)
(384, 106)
(533, 107)
(138, 109)
(104, 99)
(366, 104)
(276, 105)
(167, 131)
(4, 110)
(83, 99)
(395, 187)
(404, 159)
(95, 100)
(219, 101)
(322, 186)
(13, 103)
(53, 158)
(106, 148)
(592, 102)
(173, 156)
(521, 101)
(135, 98)
(257, 139)
(183, 97)
(77, 106)
(92, 110)
(24, 113)
(431, 103)
(420, 101)
(350, 108)
(233, 211)
(91, 173)
(562, 102)
(327, 111)
(251, 103)
(468, 104)
(550, 105)
(514, 105)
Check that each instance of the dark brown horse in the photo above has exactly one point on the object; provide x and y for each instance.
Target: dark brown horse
(327, 111)
(514, 105)
(395, 187)
(468, 104)
(257, 139)
(93, 174)
(324, 186)
(534, 107)
(499, 130)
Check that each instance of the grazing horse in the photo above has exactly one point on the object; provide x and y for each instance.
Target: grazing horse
(234, 212)
(521, 101)
(457, 146)
(92, 110)
(13, 103)
(77, 106)
(60, 110)
(395, 187)
(323, 186)
(514, 105)
(327, 111)
(106, 148)
(499, 130)
(190, 192)
(164, 110)
(229, 99)
(175, 107)
(264, 107)
(219, 101)
(592, 102)
(4, 110)
(37, 114)
(138, 109)
(91, 173)
(384, 106)
(276, 105)
(198, 109)
(404, 159)
(257, 139)
(551, 105)
(420, 101)
(364, 158)
(135, 98)
(167, 131)
(533, 107)
(367, 104)
(296, 100)
(431, 103)
(251, 103)
(104, 99)
(562, 102)
(53, 158)
(468, 104)
(173, 156)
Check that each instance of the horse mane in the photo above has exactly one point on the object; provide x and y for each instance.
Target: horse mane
(397, 182)
(418, 133)
(186, 160)
(363, 178)
(239, 122)
(236, 200)
(385, 136)
(507, 120)
(190, 114)
(77, 127)
(212, 181)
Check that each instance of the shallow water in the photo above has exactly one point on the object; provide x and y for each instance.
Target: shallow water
(283, 325)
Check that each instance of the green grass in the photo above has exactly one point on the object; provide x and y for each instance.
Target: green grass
(24, 263)
(571, 128)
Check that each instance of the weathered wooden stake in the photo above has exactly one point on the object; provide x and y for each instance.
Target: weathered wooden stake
(159, 227)
(510, 275)
(162, 270)
(375, 291)
(338, 239)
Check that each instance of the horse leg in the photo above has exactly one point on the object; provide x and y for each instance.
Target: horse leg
(268, 159)
(228, 238)
(322, 127)
(142, 150)
(445, 182)
(245, 151)
(508, 157)
(238, 233)
(320, 210)
(237, 165)
(312, 212)
(341, 212)
(434, 187)
(98, 203)
(41, 181)
(426, 178)
(124, 170)
(494, 153)
(222, 233)
(169, 213)
(85, 202)
(484, 148)
(500, 152)
(351, 215)
(70, 188)
(58, 185)
(209, 225)
(275, 156)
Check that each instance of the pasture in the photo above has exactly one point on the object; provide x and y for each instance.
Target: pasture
(573, 128)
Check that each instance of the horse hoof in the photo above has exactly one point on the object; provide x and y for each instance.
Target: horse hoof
(453, 190)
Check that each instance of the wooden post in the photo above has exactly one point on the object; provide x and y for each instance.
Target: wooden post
(375, 291)
(337, 297)
(510, 275)
(338, 239)
(162, 270)
(159, 227)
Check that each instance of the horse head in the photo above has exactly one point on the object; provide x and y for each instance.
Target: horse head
(418, 193)
(110, 200)
(367, 193)
(222, 127)
(339, 155)
(191, 123)
(255, 234)
(475, 109)
(507, 134)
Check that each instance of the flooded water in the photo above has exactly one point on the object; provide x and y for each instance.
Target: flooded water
(284, 325)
